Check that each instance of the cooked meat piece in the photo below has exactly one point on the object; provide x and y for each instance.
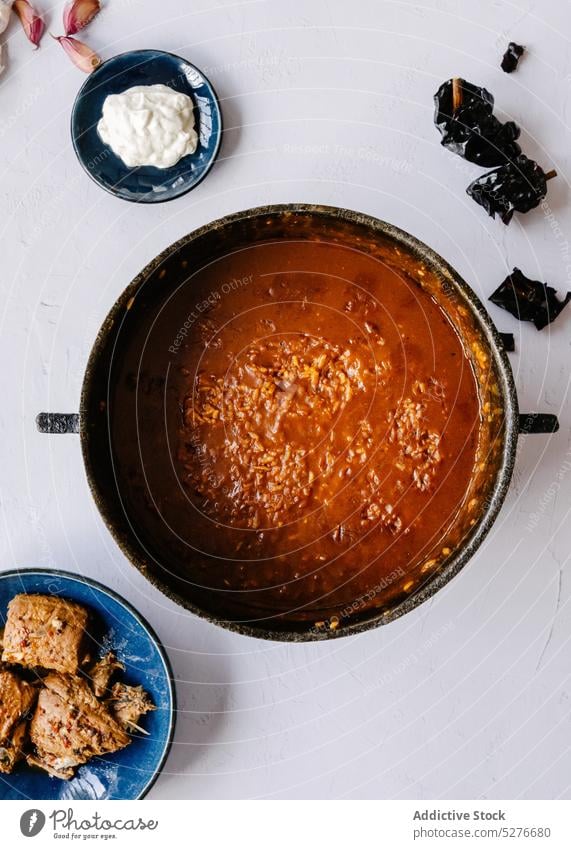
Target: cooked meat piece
(102, 672)
(58, 767)
(17, 698)
(70, 726)
(11, 751)
(44, 631)
(129, 704)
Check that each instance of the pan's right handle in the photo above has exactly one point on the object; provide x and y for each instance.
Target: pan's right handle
(531, 422)
(57, 422)
(538, 423)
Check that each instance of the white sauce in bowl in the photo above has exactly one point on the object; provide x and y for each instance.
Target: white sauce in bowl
(149, 125)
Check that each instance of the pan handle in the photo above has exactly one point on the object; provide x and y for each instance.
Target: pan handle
(531, 422)
(69, 423)
(57, 422)
(538, 423)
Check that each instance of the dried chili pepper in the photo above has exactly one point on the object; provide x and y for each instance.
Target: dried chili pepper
(508, 342)
(464, 116)
(529, 300)
(511, 57)
(517, 186)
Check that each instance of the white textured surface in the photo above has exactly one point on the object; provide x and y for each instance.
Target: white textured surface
(328, 102)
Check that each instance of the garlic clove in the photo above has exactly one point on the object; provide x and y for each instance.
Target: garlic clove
(5, 12)
(78, 13)
(80, 54)
(31, 21)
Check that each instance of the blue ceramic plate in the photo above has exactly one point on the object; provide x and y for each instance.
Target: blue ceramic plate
(145, 184)
(130, 773)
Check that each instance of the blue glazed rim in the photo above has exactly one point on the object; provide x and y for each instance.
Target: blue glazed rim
(149, 197)
(90, 582)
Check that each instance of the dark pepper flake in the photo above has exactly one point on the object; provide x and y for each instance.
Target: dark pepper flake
(508, 341)
(517, 186)
(464, 116)
(511, 57)
(529, 300)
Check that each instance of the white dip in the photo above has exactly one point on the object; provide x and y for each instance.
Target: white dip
(149, 125)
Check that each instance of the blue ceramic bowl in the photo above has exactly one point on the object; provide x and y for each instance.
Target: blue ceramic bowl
(130, 773)
(145, 184)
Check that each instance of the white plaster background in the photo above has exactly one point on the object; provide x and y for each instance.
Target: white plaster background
(469, 695)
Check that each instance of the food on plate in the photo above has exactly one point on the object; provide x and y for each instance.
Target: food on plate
(17, 698)
(70, 726)
(45, 632)
(317, 441)
(12, 748)
(129, 704)
(517, 186)
(464, 116)
(55, 710)
(101, 673)
(149, 125)
(529, 300)
(511, 57)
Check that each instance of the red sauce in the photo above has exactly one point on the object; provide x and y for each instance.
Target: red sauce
(309, 436)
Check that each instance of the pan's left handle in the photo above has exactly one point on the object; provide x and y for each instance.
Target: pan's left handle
(58, 422)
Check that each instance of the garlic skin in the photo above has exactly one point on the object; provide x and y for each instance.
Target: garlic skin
(32, 23)
(149, 125)
(82, 56)
(78, 13)
(5, 11)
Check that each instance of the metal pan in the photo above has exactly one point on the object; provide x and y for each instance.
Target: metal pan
(171, 269)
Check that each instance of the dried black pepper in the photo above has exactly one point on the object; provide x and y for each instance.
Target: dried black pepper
(511, 57)
(529, 300)
(464, 116)
(508, 341)
(517, 186)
